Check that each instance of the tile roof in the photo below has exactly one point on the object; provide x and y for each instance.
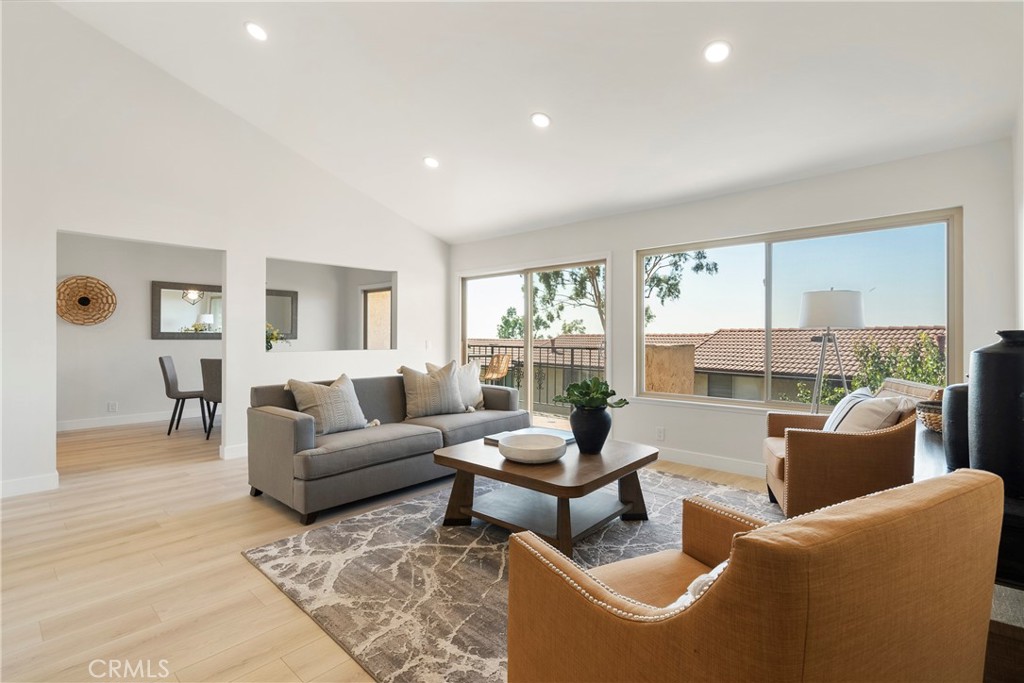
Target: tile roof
(726, 350)
(793, 351)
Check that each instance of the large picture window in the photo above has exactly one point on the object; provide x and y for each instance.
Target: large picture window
(746, 319)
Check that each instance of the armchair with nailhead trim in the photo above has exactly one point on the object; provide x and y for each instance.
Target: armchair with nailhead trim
(807, 468)
(893, 586)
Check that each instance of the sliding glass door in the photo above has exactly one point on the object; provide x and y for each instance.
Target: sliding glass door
(493, 330)
(549, 322)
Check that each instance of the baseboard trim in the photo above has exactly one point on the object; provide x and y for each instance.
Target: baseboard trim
(117, 420)
(25, 485)
(234, 452)
(713, 462)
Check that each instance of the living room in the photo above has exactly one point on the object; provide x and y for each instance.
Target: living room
(113, 130)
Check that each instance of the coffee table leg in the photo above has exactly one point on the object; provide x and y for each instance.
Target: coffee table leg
(462, 497)
(629, 492)
(564, 524)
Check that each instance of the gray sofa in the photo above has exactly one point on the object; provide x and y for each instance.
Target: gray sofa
(310, 473)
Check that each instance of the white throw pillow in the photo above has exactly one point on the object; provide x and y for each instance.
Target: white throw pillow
(862, 412)
(697, 587)
(435, 393)
(334, 408)
(468, 378)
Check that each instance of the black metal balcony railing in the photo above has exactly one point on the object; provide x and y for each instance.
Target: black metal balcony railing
(555, 367)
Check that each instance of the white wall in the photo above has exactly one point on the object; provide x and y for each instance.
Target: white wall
(979, 178)
(117, 360)
(98, 141)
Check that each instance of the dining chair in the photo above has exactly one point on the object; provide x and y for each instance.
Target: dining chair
(212, 373)
(179, 396)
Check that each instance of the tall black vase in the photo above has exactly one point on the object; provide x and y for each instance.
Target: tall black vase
(590, 426)
(954, 427)
(996, 410)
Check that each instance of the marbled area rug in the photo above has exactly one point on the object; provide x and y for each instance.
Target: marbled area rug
(412, 600)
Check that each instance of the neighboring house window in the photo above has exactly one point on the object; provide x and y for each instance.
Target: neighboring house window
(723, 319)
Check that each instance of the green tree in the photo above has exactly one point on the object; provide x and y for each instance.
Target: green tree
(511, 325)
(585, 286)
(921, 361)
(663, 275)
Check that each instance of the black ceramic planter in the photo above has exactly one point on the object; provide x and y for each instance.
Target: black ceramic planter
(590, 426)
(995, 405)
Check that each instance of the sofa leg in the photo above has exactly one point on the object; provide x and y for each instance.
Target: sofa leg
(253, 491)
(771, 496)
(307, 518)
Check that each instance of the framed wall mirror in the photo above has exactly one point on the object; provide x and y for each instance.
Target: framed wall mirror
(283, 312)
(186, 310)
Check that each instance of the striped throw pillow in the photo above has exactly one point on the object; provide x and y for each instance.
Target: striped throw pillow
(334, 408)
(434, 393)
(468, 377)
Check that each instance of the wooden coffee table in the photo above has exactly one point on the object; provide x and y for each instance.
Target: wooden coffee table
(558, 501)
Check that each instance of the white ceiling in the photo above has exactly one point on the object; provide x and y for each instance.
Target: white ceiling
(639, 118)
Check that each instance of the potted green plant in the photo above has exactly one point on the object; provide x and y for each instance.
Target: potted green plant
(590, 419)
(274, 335)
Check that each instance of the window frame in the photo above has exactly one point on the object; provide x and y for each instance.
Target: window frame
(952, 217)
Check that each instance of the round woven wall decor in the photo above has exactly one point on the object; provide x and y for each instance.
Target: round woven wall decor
(84, 300)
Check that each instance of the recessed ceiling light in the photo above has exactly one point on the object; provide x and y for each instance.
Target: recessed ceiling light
(540, 119)
(717, 51)
(431, 162)
(256, 31)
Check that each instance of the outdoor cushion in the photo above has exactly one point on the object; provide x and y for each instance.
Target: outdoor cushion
(348, 451)
(774, 453)
(462, 427)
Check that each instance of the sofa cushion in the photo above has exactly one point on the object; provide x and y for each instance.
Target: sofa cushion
(435, 393)
(468, 379)
(334, 408)
(463, 427)
(774, 454)
(348, 451)
(665, 574)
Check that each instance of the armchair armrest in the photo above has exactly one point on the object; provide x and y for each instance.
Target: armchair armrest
(708, 529)
(500, 398)
(779, 422)
(560, 618)
(275, 435)
(824, 468)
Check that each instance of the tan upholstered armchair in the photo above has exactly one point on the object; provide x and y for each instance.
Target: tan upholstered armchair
(828, 596)
(807, 468)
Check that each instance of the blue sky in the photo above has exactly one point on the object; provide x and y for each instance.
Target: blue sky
(901, 273)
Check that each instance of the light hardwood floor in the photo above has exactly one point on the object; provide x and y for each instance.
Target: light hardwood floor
(136, 558)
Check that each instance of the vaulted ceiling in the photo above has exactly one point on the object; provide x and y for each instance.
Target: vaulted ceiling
(639, 118)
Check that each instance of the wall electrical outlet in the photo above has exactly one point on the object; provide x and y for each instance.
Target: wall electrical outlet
(111, 406)
(659, 433)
